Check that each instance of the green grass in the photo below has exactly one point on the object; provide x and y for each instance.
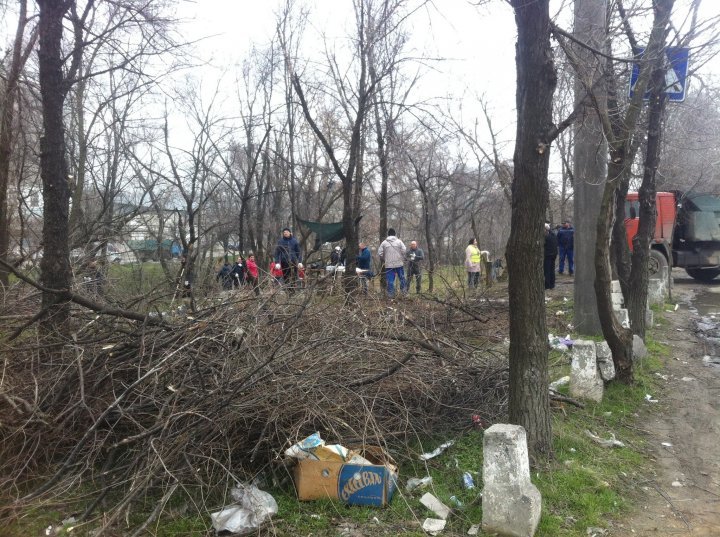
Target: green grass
(584, 485)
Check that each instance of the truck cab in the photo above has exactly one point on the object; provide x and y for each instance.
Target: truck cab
(687, 232)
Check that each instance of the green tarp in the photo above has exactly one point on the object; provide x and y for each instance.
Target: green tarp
(324, 232)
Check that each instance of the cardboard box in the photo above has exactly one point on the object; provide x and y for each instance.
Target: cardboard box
(353, 484)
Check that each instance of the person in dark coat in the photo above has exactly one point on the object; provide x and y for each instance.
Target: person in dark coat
(223, 276)
(364, 269)
(566, 246)
(414, 256)
(551, 252)
(335, 256)
(237, 273)
(288, 258)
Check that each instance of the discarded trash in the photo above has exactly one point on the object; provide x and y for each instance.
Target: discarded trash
(435, 505)
(664, 377)
(596, 532)
(666, 444)
(479, 421)
(677, 484)
(560, 344)
(456, 502)
(711, 360)
(433, 526)
(415, 483)
(573, 450)
(253, 508)
(649, 398)
(609, 443)
(687, 379)
(468, 481)
(676, 307)
(434, 453)
(314, 448)
(370, 479)
(303, 449)
(559, 313)
(474, 529)
(562, 381)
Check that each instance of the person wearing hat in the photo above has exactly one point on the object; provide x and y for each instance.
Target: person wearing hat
(551, 252)
(288, 258)
(335, 256)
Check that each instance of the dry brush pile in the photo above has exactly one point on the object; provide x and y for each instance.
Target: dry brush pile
(126, 410)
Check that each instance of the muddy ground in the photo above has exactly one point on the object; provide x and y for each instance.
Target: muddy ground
(682, 495)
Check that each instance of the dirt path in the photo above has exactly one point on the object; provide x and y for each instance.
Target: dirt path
(683, 495)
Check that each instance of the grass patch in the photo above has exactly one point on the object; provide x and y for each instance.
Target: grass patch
(585, 485)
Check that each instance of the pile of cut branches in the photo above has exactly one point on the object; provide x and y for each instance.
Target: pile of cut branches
(196, 402)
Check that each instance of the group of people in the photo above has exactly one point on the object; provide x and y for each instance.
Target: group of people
(243, 272)
(286, 265)
(559, 241)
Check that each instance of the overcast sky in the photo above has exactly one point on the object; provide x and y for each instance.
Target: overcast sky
(476, 42)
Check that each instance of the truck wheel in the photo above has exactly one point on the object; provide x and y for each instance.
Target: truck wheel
(656, 263)
(703, 275)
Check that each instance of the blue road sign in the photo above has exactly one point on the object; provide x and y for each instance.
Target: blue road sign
(675, 76)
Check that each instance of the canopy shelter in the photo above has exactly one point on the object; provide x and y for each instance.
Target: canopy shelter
(330, 232)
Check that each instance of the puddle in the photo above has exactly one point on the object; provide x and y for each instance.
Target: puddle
(707, 302)
(706, 305)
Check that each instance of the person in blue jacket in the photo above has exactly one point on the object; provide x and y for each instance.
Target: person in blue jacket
(288, 258)
(364, 269)
(566, 244)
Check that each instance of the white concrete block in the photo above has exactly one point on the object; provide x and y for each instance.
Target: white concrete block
(585, 380)
(623, 317)
(615, 287)
(657, 291)
(605, 363)
(639, 348)
(511, 503)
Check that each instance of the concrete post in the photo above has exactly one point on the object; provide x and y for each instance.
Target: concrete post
(511, 503)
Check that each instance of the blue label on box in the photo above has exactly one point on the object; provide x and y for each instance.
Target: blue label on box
(362, 485)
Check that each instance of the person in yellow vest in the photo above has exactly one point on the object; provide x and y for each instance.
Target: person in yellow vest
(472, 263)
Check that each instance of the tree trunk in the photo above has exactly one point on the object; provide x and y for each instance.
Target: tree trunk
(529, 403)
(76, 211)
(618, 338)
(589, 164)
(55, 264)
(622, 152)
(7, 115)
(638, 288)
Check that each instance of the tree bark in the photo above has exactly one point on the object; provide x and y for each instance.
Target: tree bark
(7, 116)
(638, 288)
(529, 403)
(589, 163)
(55, 264)
(620, 131)
(618, 338)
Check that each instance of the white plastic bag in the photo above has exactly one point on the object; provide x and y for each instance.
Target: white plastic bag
(253, 508)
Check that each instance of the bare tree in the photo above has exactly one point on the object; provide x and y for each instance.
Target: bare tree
(356, 98)
(529, 403)
(22, 46)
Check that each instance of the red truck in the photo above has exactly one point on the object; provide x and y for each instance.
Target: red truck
(687, 232)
